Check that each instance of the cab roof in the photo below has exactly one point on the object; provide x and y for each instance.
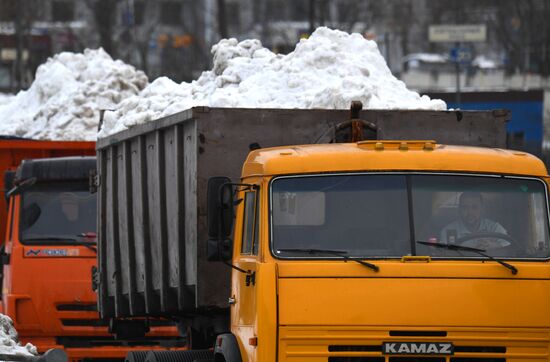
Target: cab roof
(56, 169)
(390, 156)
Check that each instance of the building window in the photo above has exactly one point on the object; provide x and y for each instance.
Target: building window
(275, 11)
(7, 10)
(139, 11)
(299, 10)
(132, 14)
(170, 13)
(233, 15)
(62, 10)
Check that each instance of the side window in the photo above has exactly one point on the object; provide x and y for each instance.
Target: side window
(250, 229)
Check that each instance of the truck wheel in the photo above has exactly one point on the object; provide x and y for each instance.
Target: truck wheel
(136, 356)
(180, 356)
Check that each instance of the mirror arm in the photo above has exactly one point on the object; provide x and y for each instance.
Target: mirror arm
(16, 190)
(247, 272)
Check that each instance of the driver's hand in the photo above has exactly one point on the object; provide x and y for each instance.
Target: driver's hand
(486, 243)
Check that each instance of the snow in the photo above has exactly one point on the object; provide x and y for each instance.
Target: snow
(5, 98)
(9, 343)
(69, 90)
(328, 70)
(483, 62)
(426, 58)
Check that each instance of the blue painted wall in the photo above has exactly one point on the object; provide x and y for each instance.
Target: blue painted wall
(525, 129)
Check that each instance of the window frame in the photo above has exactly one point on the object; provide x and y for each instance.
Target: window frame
(405, 174)
(171, 15)
(63, 3)
(253, 249)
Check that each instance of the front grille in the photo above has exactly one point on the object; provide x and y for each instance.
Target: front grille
(105, 323)
(418, 334)
(340, 344)
(82, 307)
(378, 348)
(462, 359)
(84, 322)
(356, 359)
(480, 349)
(352, 348)
(413, 359)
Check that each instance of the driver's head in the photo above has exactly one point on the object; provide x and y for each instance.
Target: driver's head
(69, 206)
(470, 208)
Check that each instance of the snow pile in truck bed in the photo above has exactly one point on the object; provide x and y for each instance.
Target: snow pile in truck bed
(328, 70)
(5, 98)
(9, 343)
(64, 101)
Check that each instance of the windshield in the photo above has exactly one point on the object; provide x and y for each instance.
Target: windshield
(385, 215)
(53, 214)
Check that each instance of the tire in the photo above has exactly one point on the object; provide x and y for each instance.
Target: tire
(136, 356)
(180, 356)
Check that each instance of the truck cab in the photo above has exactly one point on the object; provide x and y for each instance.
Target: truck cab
(48, 257)
(387, 251)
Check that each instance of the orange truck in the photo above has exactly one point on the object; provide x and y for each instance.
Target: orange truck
(49, 220)
(319, 251)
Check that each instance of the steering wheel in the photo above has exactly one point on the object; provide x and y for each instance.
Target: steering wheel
(486, 240)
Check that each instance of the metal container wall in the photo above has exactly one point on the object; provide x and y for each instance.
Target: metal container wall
(152, 192)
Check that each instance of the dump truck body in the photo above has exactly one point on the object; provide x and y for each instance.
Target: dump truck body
(152, 192)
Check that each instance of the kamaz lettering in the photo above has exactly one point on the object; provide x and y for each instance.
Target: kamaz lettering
(417, 348)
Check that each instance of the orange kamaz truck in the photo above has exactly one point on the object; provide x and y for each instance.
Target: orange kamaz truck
(50, 250)
(420, 237)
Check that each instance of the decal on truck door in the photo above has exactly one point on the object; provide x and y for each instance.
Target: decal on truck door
(51, 252)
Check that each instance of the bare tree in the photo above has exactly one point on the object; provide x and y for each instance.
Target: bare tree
(104, 14)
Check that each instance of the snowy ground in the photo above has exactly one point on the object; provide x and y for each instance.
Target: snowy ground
(9, 343)
(328, 70)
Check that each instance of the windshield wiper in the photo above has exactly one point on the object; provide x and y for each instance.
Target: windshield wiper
(64, 240)
(481, 252)
(340, 253)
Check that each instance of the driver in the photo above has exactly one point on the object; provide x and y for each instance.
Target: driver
(69, 206)
(470, 208)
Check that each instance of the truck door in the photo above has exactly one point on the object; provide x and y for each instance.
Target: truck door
(5, 251)
(246, 238)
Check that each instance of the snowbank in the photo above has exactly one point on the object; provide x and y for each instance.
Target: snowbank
(69, 90)
(328, 70)
(9, 343)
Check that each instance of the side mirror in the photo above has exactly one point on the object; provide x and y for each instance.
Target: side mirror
(217, 250)
(21, 186)
(220, 218)
(9, 178)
